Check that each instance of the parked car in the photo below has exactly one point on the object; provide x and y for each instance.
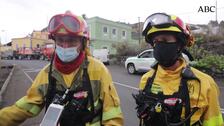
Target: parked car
(143, 62)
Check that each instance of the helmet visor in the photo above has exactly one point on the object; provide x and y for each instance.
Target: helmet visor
(70, 23)
(159, 20)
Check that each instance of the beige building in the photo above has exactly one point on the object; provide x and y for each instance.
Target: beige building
(29, 47)
(36, 40)
(5, 48)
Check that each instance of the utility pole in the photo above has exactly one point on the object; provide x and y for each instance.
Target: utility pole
(139, 30)
(31, 40)
(216, 11)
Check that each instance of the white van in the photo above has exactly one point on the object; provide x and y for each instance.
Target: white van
(102, 55)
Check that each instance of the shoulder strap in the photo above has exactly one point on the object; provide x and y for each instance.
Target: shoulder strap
(150, 79)
(186, 75)
(51, 85)
(87, 84)
(185, 95)
(149, 83)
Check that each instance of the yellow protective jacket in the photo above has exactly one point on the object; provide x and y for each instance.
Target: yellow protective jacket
(31, 104)
(168, 82)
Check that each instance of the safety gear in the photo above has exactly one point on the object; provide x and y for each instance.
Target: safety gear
(76, 111)
(206, 91)
(165, 110)
(166, 53)
(161, 22)
(67, 54)
(103, 89)
(68, 24)
(67, 68)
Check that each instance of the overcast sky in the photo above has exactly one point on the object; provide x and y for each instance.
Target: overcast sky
(18, 18)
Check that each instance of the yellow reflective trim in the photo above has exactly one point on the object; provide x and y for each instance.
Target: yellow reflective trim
(32, 108)
(94, 124)
(171, 28)
(112, 113)
(173, 17)
(95, 104)
(214, 121)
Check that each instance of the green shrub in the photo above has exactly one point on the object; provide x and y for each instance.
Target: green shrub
(198, 52)
(211, 63)
(125, 49)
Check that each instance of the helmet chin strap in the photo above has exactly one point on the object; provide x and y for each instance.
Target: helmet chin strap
(84, 42)
(183, 39)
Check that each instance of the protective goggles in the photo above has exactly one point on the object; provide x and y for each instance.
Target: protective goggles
(71, 23)
(161, 20)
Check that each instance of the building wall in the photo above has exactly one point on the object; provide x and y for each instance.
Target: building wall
(101, 39)
(5, 48)
(20, 43)
(36, 39)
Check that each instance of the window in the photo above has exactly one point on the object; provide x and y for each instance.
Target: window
(114, 32)
(105, 30)
(123, 34)
(148, 54)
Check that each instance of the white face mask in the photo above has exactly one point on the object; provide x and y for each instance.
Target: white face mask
(67, 54)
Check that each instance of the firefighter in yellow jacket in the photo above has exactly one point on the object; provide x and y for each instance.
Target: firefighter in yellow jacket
(172, 93)
(73, 79)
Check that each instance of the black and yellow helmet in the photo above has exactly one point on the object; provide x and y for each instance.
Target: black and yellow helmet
(161, 22)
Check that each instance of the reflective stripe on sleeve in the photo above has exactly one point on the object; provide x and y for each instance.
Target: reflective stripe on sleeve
(94, 124)
(214, 121)
(95, 104)
(112, 113)
(32, 108)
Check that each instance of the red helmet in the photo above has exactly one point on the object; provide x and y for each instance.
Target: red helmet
(68, 24)
(161, 22)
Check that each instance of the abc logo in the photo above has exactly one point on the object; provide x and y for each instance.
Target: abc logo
(206, 9)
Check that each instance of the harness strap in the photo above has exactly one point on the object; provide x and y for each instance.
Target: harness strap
(51, 91)
(148, 86)
(185, 94)
(51, 86)
(87, 85)
(186, 119)
(149, 83)
(186, 75)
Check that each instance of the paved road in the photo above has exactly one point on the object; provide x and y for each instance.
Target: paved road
(126, 84)
(23, 76)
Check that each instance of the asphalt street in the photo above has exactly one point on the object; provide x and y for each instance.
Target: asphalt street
(126, 84)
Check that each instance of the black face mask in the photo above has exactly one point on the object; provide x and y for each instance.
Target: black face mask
(166, 53)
